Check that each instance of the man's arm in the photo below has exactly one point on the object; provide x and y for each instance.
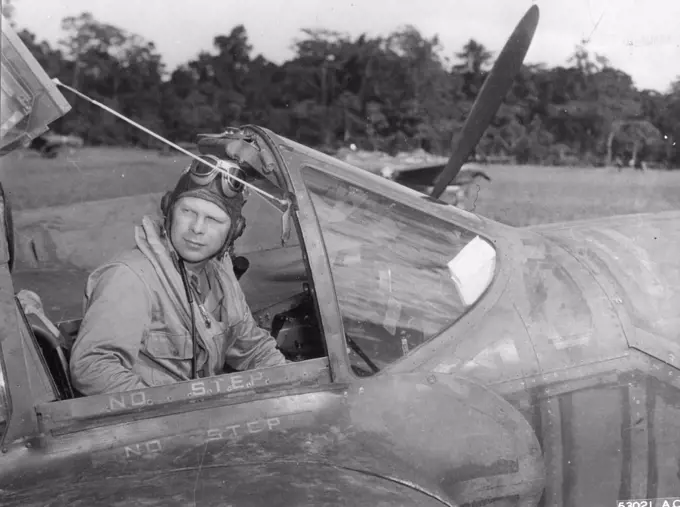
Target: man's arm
(118, 314)
(253, 346)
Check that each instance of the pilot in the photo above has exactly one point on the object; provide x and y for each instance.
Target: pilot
(139, 329)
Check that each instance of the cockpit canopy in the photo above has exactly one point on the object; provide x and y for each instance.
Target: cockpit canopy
(401, 276)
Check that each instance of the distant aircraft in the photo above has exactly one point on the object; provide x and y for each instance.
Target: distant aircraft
(49, 145)
(418, 170)
(422, 178)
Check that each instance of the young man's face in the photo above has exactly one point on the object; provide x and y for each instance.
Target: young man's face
(199, 229)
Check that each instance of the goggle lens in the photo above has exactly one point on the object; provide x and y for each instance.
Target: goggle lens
(231, 186)
(201, 169)
(203, 174)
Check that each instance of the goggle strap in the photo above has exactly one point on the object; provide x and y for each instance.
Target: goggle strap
(270, 198)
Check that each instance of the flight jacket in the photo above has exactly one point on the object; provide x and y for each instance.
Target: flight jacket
(136, 329)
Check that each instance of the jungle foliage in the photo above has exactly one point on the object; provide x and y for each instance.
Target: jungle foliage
(391, 93)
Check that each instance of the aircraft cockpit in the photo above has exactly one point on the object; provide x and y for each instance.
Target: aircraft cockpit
(399, 275)
(326, 260)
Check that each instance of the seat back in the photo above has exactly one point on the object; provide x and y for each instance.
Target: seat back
(51, 342)
(56, 355)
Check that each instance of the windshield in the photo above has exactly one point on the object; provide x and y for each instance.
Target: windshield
(401, 276)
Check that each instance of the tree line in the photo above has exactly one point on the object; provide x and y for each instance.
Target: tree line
(392, 93)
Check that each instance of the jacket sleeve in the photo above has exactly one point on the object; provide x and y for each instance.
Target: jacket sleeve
(117, 316)
(252, 346)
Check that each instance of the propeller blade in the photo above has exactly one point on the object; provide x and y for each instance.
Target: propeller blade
(489, 98)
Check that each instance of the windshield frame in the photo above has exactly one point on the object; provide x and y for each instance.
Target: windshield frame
(291, 157)
(450, 215)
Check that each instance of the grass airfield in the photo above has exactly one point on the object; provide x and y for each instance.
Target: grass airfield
(62, 193)
(517, 195)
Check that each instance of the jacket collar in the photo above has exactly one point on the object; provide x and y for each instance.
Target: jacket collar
(157, 248)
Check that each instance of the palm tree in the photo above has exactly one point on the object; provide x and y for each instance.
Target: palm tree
(474, 56)
(637, 132)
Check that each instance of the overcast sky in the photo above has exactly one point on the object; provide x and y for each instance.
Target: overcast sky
(639, 37)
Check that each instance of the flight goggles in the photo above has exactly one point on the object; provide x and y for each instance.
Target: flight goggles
(203, 174)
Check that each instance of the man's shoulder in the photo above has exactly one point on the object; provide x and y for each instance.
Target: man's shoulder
(130, 263)
(133, 258)
(127, 273)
